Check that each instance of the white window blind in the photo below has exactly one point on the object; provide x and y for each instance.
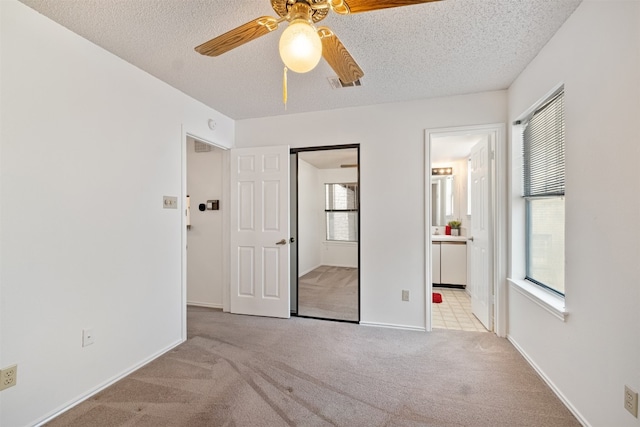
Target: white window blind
(544, 189)
(543, 150)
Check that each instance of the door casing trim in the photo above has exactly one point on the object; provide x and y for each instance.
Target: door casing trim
(498, 221)
(185, 133)
(324, 148)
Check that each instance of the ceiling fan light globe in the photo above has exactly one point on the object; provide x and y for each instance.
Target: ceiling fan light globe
(300, 47)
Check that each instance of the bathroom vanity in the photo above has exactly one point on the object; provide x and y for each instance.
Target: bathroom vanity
(449, 260)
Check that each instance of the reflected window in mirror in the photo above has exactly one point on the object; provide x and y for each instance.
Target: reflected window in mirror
(469, 186)
(448, 191)
(341, 211)
(442, 199)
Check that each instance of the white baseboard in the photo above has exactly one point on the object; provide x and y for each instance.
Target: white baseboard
(392, 326)
(550, 383)
(78, 400)
(340, 265)
(325, 264)
(204, 304)
(309, 270)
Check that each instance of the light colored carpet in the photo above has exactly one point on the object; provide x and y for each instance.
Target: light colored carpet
(252, 371)
(329, 293)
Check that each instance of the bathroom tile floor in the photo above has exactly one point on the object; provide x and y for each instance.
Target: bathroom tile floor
(454, 312)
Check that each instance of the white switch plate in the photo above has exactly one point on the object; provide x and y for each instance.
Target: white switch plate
(87, 337)
(170, 202)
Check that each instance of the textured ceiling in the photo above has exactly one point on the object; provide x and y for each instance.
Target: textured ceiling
(420, 51)
(447, 149)
(330, 159)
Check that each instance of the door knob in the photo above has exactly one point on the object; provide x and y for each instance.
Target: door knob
(281, 242)
(471, 239)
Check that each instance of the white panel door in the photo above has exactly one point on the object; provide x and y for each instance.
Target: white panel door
(259, 278)
(435, 263)
(481, 255)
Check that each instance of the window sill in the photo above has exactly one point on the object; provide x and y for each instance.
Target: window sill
(554, 304)
(339, 243)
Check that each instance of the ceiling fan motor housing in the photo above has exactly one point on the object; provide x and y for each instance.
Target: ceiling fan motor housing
(285, 7)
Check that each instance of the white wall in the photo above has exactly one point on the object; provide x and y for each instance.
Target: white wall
(590, 357)
(204, 238)
(89, 145)
(340, 254)
(336, 176)
(310, 215)
(391, 138)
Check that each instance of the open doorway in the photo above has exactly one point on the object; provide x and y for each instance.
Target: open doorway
(205, 178)
(461, 227)
(204, 224)
(325, 278)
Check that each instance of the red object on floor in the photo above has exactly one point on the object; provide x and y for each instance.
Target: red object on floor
(437, 298)
(447, 230)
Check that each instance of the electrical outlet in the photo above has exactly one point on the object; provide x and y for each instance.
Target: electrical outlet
(631, 401)
(87, 337)
(405, 295)
(8, 377)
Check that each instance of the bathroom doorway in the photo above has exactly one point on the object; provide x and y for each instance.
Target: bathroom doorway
(325, 222)
(463, 193)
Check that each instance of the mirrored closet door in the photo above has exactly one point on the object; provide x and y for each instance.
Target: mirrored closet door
(327, 210)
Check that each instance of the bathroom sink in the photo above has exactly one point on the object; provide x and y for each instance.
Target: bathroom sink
(447, 237)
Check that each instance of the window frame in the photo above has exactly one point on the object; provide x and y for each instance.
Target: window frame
(328, 210)
(552, 302)
(528, 243)
(543, 173)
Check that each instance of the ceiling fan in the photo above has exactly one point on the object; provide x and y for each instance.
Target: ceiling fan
(301, 45)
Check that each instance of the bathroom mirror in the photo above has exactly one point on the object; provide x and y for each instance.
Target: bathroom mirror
(442, 200)
(450, 193)
(327, 233)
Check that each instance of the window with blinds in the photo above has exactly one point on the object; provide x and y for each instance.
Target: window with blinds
(544, 184)
(341, 210)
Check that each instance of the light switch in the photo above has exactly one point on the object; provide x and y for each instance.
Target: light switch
(170, 202)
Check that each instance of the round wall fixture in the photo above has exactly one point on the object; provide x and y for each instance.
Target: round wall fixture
(202, 207)
(212, 124)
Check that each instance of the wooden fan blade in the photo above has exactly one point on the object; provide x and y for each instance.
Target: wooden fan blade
(238, 36)
(334, 52)
(358, 6)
